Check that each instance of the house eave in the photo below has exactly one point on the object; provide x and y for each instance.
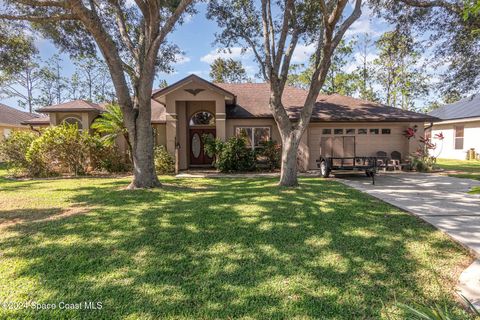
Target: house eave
(458, 120)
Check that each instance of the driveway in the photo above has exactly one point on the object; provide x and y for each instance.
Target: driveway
(440, 200)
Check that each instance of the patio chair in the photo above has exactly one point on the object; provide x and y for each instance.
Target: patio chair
(382, 160)
(395, 160)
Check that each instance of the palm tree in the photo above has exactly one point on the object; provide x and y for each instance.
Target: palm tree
(110, 125)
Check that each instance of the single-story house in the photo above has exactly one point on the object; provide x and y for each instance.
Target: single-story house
(186, 110)
(11, 120)
(460, 127)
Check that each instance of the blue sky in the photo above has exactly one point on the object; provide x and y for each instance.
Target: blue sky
(196, 38)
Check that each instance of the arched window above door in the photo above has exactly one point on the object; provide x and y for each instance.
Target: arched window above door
(202, 118)
(73, 120)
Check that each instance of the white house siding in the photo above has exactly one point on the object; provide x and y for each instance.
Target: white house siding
(446, 148)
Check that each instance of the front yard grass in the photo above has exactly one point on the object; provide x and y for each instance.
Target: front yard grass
(468, 169)
(217, 248)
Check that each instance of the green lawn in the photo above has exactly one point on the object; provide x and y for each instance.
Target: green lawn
(469, 169)
(217, 248)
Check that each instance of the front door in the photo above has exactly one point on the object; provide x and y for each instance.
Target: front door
(198, 156)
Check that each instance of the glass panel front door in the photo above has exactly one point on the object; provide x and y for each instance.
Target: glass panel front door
(197, 152)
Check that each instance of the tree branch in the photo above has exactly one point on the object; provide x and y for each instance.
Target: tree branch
(266, 41)
(43, 3)
(123, 28)
(170, 23)
(434, 3)
(109, 49)
(44, 19)
(284, 33)
(287, 58)
(356, 13)
(257, 55)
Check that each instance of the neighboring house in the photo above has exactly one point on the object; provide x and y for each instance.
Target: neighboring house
(11, 119)
(460, 127)
(186, 110)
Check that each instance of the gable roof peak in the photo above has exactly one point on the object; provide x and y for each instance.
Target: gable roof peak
(192, 77)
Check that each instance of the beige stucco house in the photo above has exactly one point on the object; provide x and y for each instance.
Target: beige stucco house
(186, 110)
(460, 128)
(11, 120)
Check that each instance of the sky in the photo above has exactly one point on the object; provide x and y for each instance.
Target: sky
(196, 39)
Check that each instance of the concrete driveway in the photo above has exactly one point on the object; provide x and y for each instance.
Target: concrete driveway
(440, 200)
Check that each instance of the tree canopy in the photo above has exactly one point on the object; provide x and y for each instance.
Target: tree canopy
(227, 71)
(449, 28)
(272, 30)
(132, 38)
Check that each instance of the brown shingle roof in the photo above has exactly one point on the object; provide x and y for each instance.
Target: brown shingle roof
(253, 99)
(12, 116)
(39, 120)
(158, 110)
(71, 106)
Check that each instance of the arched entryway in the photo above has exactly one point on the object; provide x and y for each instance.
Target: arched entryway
(73, 120)
(200, 123)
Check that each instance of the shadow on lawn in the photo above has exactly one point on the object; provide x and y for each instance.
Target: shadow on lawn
(8, 217)
(232, 248)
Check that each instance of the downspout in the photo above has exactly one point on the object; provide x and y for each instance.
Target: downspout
(33, 129)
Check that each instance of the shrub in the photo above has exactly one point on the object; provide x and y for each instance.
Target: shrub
(13, 149)
(421, 160)
(106, 157)
(231, 155)
(269, 154)
(61, 148)
(164, 161)
(212, 147)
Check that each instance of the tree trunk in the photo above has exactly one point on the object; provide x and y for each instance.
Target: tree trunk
(141, 139)
(288, 173)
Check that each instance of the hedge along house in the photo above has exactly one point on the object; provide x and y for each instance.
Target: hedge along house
(83, 113)
(192, 107)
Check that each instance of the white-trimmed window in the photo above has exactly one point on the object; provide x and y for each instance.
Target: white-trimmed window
(202, 118)
(459, 131)
(254, 135)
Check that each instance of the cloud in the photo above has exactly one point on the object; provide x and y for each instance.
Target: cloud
(302, 53)
(188, 18)
(250, 70)
(236, 53)
(199, 73)
(364, 24)
(181, 58)
(358, 61)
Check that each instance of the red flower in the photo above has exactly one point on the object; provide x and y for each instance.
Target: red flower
(439, 136)
(409, 133)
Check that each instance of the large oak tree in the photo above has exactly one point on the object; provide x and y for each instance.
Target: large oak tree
(131, 36)
(272, 30)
